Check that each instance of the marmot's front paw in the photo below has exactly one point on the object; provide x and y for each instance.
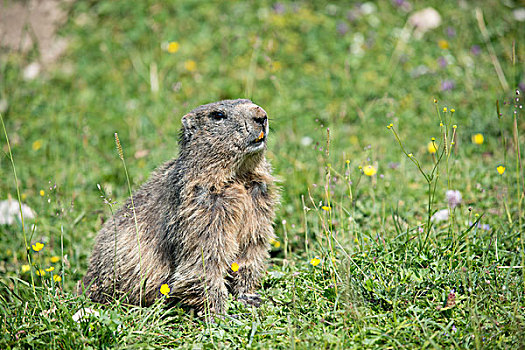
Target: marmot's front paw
(250, 299)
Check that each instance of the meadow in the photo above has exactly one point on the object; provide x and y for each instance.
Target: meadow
(397, 149)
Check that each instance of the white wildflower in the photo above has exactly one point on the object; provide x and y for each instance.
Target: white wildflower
(3, 105)
(519, 14)
(84, 313)
(453, 198)
(31, 71)
(368, 8)
(440, 215)
(424, 20)
(306, 141)
(356, 48)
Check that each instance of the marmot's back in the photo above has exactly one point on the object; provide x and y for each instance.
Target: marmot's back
(195, 216)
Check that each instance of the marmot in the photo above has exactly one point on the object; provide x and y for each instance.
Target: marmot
(197, 215)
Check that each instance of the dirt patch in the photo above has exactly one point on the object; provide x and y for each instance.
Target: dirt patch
(33, 23)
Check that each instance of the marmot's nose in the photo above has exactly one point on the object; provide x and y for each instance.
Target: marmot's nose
(260, 116)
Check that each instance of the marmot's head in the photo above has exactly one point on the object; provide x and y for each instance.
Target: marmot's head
(229, 129)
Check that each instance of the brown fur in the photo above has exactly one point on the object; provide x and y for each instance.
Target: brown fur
(196, 215)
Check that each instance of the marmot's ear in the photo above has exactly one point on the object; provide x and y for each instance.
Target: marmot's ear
(187, 121)
(188, 127)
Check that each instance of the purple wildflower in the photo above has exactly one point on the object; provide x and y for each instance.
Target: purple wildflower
(485, 227)
(393, 165)
(403, 4)
(342, 28)
(352, 15)
(442, 61)
(279, 8)
(447, 85)
(475, 50)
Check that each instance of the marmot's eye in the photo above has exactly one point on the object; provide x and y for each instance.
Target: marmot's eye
(217, 115)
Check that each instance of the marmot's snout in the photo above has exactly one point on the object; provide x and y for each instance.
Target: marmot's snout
(260, 129)
(260, 117)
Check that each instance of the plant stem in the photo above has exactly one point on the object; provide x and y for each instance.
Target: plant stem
(121, 155)
(19, 206)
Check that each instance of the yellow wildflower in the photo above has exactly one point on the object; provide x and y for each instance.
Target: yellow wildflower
(190, 65)
(40, 272)
(42, 193)
(443, 44)
(478, 139)
(315, 261)
(173, 47)
(325, 208)
(369, 170)
(25, 268)
(432, 148)
(235, 267)
(275, 66)
(49, 269)
(37, 246)
(452, 110)
(500, 169)
(164, 289)
(54, 259)
(445, 109)
(275, 243)
(37, 145)
(57, 278)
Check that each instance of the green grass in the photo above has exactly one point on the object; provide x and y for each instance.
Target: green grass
(385, 276)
